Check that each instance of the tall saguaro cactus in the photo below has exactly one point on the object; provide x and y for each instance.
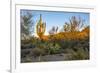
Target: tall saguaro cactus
(40, 27)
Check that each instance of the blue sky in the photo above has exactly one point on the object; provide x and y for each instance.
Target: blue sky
(56, 18)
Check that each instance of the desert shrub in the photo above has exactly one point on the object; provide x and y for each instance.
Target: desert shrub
(81, 54)
(67, 43)
(63, 43)
(27, 46)
(38, 51)
(28, 43)
(53, 48)
(24, 53)
(49, 47)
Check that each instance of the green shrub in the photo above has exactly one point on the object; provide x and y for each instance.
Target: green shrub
(38, 52)
(53, 48)
(81, 54)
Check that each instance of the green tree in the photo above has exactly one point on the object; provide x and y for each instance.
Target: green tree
(26, 24)
(76, 23)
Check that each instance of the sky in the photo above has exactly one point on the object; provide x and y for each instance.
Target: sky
(53, 18)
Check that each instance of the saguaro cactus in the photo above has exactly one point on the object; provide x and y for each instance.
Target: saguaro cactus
(66, 27)
(40, 27)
